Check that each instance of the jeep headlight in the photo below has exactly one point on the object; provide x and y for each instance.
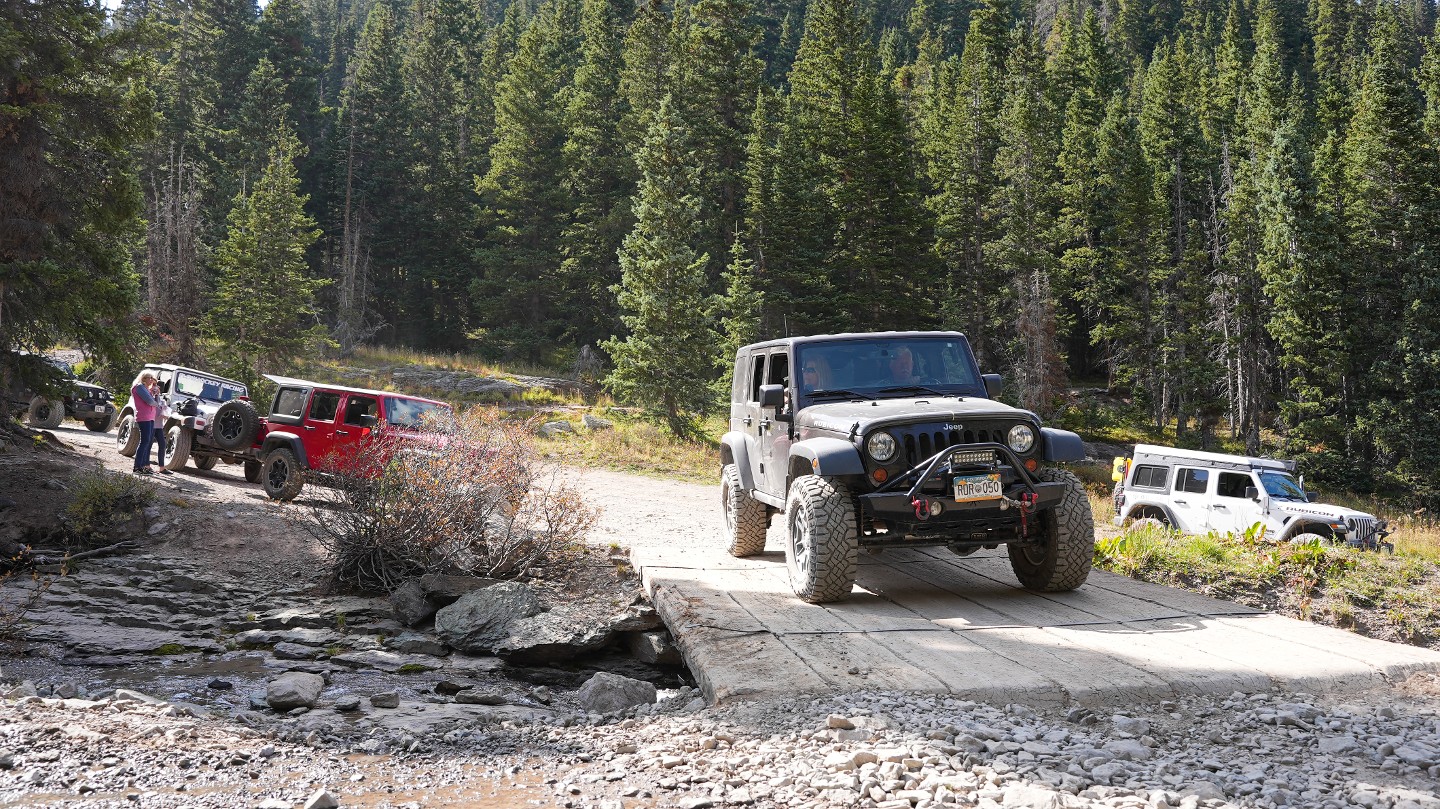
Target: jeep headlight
(1021, 438)
(881, 446)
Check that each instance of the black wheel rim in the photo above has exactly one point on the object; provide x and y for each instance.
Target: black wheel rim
(42, 413)
(228, 427)
(279, 474)
(123, 436)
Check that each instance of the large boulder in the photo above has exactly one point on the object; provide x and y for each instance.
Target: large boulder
(551, 637)
(294, 689)
(482, 619)
(418, 599)
(409, 603)
(606, 692)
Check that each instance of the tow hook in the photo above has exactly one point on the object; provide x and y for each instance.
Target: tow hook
(1027, 504)
(922, 508)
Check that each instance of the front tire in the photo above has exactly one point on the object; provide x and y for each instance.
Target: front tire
(100, 424)
(745, 521)
(206, 463)
(821, 544)
(127, 438)
(282, 476)
(46, 413)
(236, 426)
(1066, 546)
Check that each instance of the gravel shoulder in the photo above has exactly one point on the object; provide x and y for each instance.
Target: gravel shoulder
(104, 747)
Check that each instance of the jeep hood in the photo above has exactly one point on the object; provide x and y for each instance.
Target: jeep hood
(841, 417)
(89, 391)
(1324, 511)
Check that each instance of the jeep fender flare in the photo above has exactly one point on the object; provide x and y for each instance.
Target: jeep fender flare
(289, 441)
(1131, 512)
(735, 448)
(827, 457)
(1062, 445)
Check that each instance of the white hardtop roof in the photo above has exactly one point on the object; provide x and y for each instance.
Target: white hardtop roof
(1213, 457)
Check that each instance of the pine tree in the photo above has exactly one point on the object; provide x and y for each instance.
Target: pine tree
(599, 174)
(369, 160)
(665, 361)
(1390, 172)
(524, 204)
(1023, 251)
(265, 314)
(740, 309)
(72, 106)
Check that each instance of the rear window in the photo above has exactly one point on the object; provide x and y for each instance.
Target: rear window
(289, 403)
(1150, 477)
(1194, 481)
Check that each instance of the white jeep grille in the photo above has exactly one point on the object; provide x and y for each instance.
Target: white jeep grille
(1362, 529)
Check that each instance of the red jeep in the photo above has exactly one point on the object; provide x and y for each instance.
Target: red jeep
(314, 431)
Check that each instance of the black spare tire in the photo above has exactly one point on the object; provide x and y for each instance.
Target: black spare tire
(236, 426)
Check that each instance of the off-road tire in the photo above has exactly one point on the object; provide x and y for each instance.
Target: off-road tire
(177, 447)
(1061, 561)
(204, 462)
(127, 438)
(282, 476)
(1307, 537)
(236, 425)
(252, 471)
(745, 521)
(821, 543)
(100, 424)
(45, 413)
(1147, 522)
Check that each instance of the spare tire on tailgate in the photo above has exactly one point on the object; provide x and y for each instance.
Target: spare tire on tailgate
(236, 425)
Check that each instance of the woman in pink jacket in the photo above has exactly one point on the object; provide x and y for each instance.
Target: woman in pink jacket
(146, 408)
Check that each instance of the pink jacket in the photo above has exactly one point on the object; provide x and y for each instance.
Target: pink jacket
(144, 403)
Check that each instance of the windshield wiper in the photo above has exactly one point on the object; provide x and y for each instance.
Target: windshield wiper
(912, 389)
(837, 392)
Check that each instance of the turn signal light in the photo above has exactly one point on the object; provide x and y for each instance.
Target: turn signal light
(880, 475)
(1031, 465)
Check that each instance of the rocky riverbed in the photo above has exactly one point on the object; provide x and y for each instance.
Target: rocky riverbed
(888, 751)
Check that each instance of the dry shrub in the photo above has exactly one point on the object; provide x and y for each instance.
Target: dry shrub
(480, 501)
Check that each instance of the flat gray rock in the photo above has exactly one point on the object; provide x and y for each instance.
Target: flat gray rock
(606, 692)
(481, 619)
(294, 689)
(389, 662)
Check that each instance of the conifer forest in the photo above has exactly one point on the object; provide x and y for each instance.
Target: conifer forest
(1224, 211)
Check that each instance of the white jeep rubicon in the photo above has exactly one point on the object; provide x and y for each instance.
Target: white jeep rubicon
(1197, 492)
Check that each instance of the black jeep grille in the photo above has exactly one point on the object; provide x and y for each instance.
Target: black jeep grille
(919, 444)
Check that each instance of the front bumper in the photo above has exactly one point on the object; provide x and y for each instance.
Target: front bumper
(89, 409)
(919, 508)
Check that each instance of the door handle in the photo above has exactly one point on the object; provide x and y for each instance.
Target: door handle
(764, 423)
(1182, 502)
(308, 427)
(1220, 508)
(342, 432)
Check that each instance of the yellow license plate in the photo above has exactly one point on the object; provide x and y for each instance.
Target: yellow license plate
(969, 488)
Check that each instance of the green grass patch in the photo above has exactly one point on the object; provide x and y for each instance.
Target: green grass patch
(103, 500)
(1390, 597)
(642, 446)
(171, 649)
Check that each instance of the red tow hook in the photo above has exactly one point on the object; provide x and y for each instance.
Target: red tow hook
(1027, 502)
(922, 508)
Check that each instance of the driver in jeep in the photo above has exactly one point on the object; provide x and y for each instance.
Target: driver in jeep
(902, 367)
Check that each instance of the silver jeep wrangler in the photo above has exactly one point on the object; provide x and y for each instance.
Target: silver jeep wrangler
(894, 439)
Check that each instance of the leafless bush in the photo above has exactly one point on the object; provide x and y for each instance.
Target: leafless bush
(479, 501)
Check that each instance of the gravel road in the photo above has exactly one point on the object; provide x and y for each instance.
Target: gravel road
(1377, 749)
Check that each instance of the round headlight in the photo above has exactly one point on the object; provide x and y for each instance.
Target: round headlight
(881, 446)
(1021, 438)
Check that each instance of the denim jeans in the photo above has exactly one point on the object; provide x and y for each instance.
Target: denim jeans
(147, 438)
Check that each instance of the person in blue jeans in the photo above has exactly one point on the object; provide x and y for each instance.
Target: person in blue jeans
(146, 408)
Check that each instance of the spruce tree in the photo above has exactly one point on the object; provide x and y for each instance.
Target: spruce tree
(665, 361)
(265, 314)
(524, 204)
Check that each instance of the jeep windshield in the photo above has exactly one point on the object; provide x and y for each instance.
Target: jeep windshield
(888, 368)
(413, 414)
(209, 388)
(1281, 486)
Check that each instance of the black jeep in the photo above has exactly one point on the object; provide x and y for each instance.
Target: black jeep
(894, 440)
(65, 395)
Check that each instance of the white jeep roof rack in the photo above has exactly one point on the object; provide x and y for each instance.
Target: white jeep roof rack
(1150, 453)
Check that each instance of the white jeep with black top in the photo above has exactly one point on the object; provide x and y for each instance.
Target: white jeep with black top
(888, 440)
(1198, 492)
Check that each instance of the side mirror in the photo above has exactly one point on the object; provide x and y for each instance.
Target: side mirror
(1252, 493)
(994, 383)
(1311, 497)
(772, 396)
(369, 422)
